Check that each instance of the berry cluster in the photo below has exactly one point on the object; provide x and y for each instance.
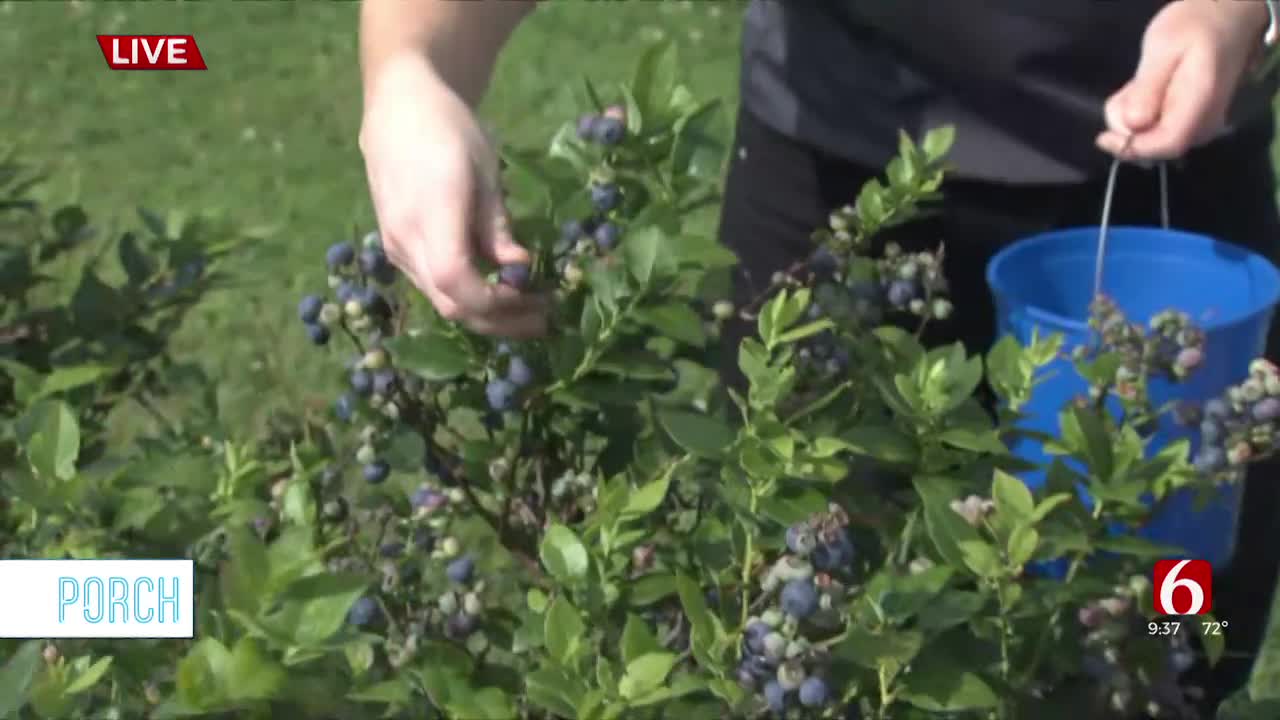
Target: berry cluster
(357, 304)
(1241, 425)
(601, 232)
(1171, 347)
(779, 657)
(513, 375)
(914, 282)
(1118, 656)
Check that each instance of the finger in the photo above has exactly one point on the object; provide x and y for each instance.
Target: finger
(1188, 109)
(494, 237)
(1143, 97)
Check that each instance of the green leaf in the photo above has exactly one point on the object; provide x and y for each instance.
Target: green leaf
(16, 677)
(1013, 500)
(646, 498)
(974, 440)
(564, 554)
(51, 439)
(804, 331)
(252, 675)
(654, 81)
(391, 692)
(701, 435)
(938, 141)
(70, 378)
(955, 540)
(882, 443)
(646, 673)
(553, 690)
(646, 254)
(871, 649)
(562, 630)
(325, 600)
(677, 321)
(637, 639)
(940, 683)
(1023, 542)
(1138, 547)
(434, 356)
(90, 677)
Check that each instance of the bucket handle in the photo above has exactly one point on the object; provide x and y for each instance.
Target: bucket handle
(1106, 210)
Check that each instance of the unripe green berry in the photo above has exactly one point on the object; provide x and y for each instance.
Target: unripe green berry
(942, 308)
(375, 359)
(368, 434)
(376, 401)
(361, 323)
(583, 246)
(1251, 390)
(572, 275)
(366, 454)
(498, 469)
(722, 310)
(448, 603)
(450, 547)
(456, 495)
(353, 309)
(330, 314)
(771, 617)
(391, 410)
(917, 306)
(471, 604)
(775, 646)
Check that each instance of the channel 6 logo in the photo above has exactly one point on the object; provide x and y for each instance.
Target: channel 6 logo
(1183, 587)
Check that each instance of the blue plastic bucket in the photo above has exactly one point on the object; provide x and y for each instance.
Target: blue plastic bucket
(1044, 283)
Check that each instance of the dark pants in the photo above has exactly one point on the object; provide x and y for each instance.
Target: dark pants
(780, 190)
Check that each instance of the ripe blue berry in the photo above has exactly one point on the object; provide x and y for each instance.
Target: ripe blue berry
(605, 196)
(799, 598)
(391, 549)
(775, 696)
(371, 260)
(607, 236)
(364, 612)
(754, 636)
(1217, 409)
(822, 262)
(570, 232)
(901, 293)
(800, 539)
(1266, 409)
(362, 381)
(376, 472)
(460, 625)
(1210, 459)
(519, 372)
(309, 308)
(745, 677)
(346, 292)
(461, 570)
(759, 666)
(373, 302)
(318, 334)
(609, 131)
(833, 553)
(586, 126)
(340, 255)
(515, 275)
(814, 692)
(500, 394)
(342, 407)
(384, 381)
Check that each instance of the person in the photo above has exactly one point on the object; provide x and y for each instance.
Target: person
(1042, 95)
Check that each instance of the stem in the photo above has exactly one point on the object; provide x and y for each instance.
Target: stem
(886, 696)
(748, 558)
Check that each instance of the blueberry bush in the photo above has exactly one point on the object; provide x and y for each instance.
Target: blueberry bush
(593, 526)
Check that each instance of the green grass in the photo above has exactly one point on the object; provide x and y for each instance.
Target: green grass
(269, 133)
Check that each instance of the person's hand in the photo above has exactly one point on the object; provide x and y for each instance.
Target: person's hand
(1194, 56)
(434, 181)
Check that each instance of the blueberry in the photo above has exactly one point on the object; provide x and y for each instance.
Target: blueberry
(609, 131)
(460, 625)
(799, 598)
(745, 677)
(373, 302)
(519, 372)
(364, 612)
(425, 497)
(461, 570)
(1210, 431)
(822, 262)
(775, 696)
(607, 236)
(309, 308)
(340, 255)
(503, 348)
(754, 636)
(1210, 459)
(335, 510)
(342, 407)
(570, 232)
(424, 539)
(516, 275)
(317, 333)
(1266, 409)
(391, 549)
(833, 553)
(372, 260)
(586, 126)
(1217, 409)
(362, 381)
(800, 539)
(814, 692)
(347, 291)
(384, 381)
(759, 666)
(500, 394)
(376, 472)
(605, 197)
(901, 293)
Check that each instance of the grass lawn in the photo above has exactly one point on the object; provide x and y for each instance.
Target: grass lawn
(269, 133)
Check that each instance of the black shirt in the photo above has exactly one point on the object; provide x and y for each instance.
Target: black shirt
(1023, 81)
